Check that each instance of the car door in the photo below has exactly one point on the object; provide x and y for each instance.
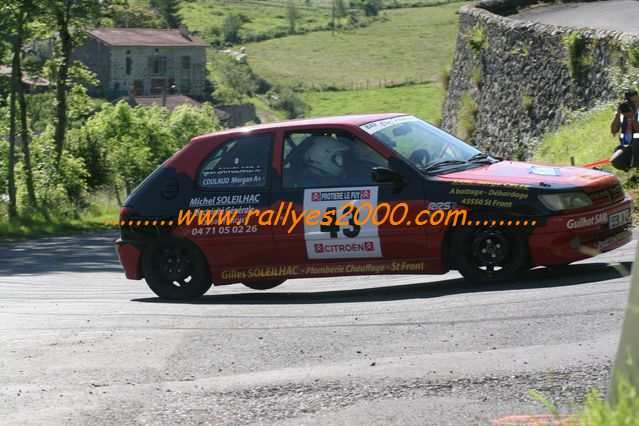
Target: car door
(324, 170)
(232, 180)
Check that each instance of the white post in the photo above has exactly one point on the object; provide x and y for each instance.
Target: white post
(629, 343)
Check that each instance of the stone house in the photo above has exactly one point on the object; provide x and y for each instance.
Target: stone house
(144, 61)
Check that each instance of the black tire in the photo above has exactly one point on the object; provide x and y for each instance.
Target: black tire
(488, 254)
(560, 267)
(263, 285)
(176, 269)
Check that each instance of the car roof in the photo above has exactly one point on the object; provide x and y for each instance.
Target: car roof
(353, 120)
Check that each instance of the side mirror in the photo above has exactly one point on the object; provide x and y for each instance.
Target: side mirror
(385, 175)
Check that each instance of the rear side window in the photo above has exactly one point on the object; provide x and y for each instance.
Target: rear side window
(238, 163)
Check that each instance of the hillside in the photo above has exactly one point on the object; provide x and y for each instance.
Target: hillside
(410, 44)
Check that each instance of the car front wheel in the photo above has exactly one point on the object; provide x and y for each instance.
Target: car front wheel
(490, 254)
(176, 269)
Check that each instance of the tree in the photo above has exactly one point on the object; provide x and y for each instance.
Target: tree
(133, 16)
(71, 18)
(169, 10)
(232, 25)
(340, 9)
(372, 7)
(20, 13)
(292, 15)
(289, 102)
(112, 137)
(234, 82)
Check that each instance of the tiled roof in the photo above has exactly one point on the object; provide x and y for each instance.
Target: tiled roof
(144, 37)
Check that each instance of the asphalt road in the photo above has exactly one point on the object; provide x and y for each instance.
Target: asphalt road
(620, 15)
(80, 344)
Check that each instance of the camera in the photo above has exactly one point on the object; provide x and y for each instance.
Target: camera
(626, 107)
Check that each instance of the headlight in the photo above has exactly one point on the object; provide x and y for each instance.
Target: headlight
(565, 201)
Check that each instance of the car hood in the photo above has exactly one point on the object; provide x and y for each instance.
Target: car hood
(534, 175)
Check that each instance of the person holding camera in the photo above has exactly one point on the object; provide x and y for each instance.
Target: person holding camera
(626, 123)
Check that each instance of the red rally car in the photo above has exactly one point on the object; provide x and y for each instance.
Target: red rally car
(521, 215)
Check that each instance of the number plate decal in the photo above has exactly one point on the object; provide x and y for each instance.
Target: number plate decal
(341, 237)
(618, 219)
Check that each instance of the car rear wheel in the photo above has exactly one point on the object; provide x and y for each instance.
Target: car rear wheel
(263, 285)
(176, 269)
(490, 254)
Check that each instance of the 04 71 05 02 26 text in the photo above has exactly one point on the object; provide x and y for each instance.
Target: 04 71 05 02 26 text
(347, 214)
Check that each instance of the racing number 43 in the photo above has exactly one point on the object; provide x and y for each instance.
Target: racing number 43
(331, 223)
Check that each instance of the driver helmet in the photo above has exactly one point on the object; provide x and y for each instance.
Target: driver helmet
(327, 155)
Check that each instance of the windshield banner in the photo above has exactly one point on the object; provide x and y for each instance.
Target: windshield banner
(376, 126)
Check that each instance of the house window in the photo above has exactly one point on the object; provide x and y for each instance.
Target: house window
(157, 86)
(185, 85)
(186, 62)
(157, 66)
(128, 65)
(138, 87)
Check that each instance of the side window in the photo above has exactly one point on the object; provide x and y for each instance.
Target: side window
(327, 158)
(238, 163)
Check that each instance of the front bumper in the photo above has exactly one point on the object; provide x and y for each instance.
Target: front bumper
(130, 254)
(568, 238)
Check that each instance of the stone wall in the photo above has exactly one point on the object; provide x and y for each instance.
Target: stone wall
(195, 74)
(97, 57)
(512, 81)
(240, 114)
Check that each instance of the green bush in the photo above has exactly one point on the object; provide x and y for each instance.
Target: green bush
(575, 45)
(234, 81)
(289, 102)
(476, 38)
(120, 145)
(187, 122)
(232, 25)
(132, 16)
(624, 412)
(371, 7)
(633, 54)
(599, 412)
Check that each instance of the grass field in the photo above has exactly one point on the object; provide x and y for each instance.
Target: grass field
(265, 15)
(420, 100)
(412, 44)
(587, 138)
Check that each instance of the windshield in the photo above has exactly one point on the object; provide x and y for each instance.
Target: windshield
(424, 145)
